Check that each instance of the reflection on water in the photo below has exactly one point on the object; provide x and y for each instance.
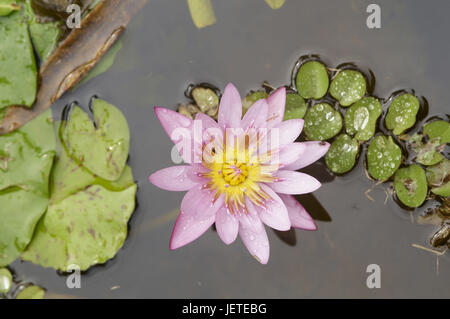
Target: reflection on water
(164, 52)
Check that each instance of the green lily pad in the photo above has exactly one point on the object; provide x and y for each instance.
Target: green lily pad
(31, 292)
(26, 155)
(410, 185)
(84, 229)
(384, 157)
(438, 129)
(102, 149)
(427, 152)
(250, 99)
(295, 107)
(8, 6)
(342, 154)
(438, 178)
(6, 281)
(322, 122)
(312, 80)
(18, 72)
(205, 98)
(402, 113)
(361, 118)
(348, 87)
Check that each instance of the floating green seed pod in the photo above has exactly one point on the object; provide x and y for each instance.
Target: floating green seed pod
(410, 185)
(250, 99)
(6, 281)
(384, 157)
(31, 292)
(341, 156)
(205, 98)
(322, 122)
(348, 87)
(402, 113)
(312, 80)
(361, 118)
(295, 107)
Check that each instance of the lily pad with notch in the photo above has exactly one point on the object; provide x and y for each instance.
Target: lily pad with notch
(410, 184)
(348, 87)
(402, 113)
(322, 122)
(312, 80)
(361, 118)
(384, 157)
(341, 157)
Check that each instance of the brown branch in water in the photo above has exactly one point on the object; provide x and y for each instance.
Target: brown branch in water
(75, 57)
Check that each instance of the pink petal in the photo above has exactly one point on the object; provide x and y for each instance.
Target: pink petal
(254, 237)
(230, 109)
(314, 151)
(291, 153)
(277, 103)
(188, 228)
(195, 171)
(289, 131)
(297, 213)
(256, 116)
(291, 182)
(200, 202)
(175, 178)
(171, 120)
(227, 225)
(275, 214)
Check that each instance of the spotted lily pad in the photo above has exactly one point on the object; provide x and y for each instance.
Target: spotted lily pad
(312, 80)
(361, 118)
(103, 148)
(86, 228)
(384, 157)
(18, 71)
(295, 107)
(6, 281)
(410, 185)
(438, 177)
(8, 6)
(252, 98)
(26, 158)
(31, 292)
(438, 129)
(348, 87)
(342, 154)
(322, 122)
(402, 113)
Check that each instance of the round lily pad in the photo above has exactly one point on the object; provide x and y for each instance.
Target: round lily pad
(31, 292)
(402, 113)
(438, 129)
(6, 281)
(252, 98)
(205, 98)
(322, 122)
(384, 157)
(295, 107)
(342, 154)
(103, 148)
(410, 185)
(312, 80)
(361, 118)
(348, 87)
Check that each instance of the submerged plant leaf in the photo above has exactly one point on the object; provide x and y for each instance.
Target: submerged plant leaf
(361, 118)
(18, 72)
(202, 13)
(312, 80)
(26, 158)
(275, 4)
(402, 113)
(250, 99)
(104, 64)
(438, 178)
(6, 281)
(410, 185)
(31, 292)
(102, 149)
(322, 122)
(8, 6)
(295, 107)
(428, 149)
(384, 157)
(341, 157)
(348, 87)
(86, 228)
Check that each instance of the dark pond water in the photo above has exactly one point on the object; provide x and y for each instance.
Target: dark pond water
(164, 52)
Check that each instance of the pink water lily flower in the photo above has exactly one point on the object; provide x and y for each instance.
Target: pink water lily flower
(241, 172)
